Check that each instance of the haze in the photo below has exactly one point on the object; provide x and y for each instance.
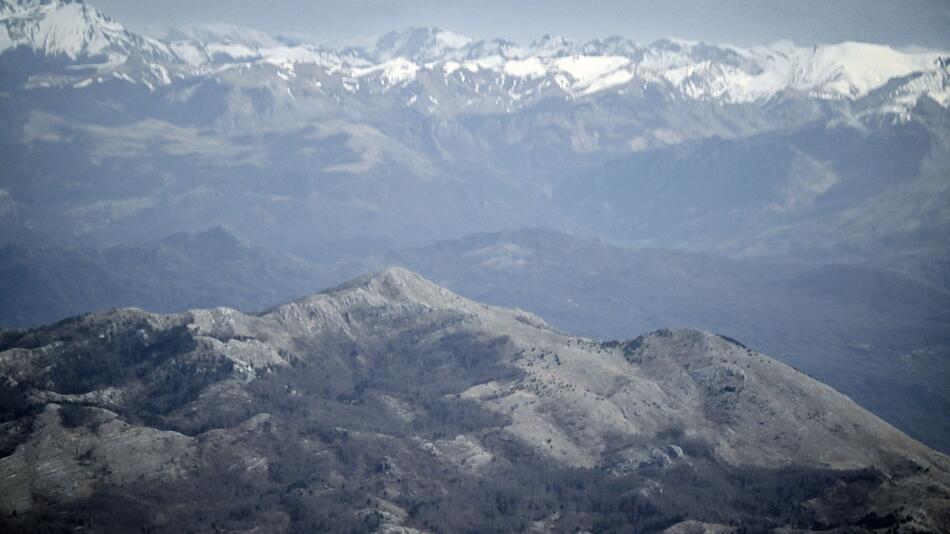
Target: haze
(743, 22)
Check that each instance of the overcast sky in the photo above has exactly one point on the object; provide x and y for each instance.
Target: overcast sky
(910, 22)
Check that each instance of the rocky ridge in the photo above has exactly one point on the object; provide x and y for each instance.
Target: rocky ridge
(365, 404)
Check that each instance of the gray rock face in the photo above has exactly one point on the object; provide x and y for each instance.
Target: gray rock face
(391, 403)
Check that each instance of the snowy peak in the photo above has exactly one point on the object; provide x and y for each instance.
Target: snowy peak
(553, 46)
(493, 48)
(614, 45)
(694, 70)
(489, 75)
(72, 29)
(23, 7)
(418, 44)
(201, 44)
(731, 74)
(852, 70)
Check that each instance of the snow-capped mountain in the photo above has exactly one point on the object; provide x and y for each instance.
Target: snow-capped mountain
(493, 75)
(419, 44)
(74, 30)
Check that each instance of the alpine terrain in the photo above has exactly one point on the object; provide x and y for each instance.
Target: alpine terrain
(791, 195)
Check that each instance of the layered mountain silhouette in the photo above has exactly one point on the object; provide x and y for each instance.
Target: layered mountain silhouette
(803, 153)
(794, 198)
(208, 269)
(391, 402)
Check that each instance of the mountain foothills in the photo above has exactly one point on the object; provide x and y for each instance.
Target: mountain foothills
(394, 405)
(829, 152)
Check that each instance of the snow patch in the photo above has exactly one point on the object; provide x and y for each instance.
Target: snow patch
(526, 68)
(394, 71)
(586, 69)
(852, 70)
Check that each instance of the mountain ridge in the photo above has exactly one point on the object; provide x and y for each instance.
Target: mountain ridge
(873, 334)
(474, 395)
(693, 70)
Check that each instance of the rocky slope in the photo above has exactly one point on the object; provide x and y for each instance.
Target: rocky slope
(392, 403)
(878, 336)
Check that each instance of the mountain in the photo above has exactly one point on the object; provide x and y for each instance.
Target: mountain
(391, 403)
(67, 42)
(182, 271)
(824, 163)
(826, 192)
(71, 29)
(513, 75)
(876, 335)
(319, 151)
(420, 45)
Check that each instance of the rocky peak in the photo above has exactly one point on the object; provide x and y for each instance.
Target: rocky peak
(398, 284)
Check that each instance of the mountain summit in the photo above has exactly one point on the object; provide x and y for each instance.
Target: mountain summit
(72, 29)
(390, 402)
(419, 44)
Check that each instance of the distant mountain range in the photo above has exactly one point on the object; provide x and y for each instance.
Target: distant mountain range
(495, 74)
(390, 404)
(800, 153)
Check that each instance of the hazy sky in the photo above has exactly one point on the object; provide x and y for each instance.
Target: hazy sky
(909, 22)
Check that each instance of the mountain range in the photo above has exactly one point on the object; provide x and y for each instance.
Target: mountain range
(511, 75)
(810, 153)
(392, 404)
(792, 197)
